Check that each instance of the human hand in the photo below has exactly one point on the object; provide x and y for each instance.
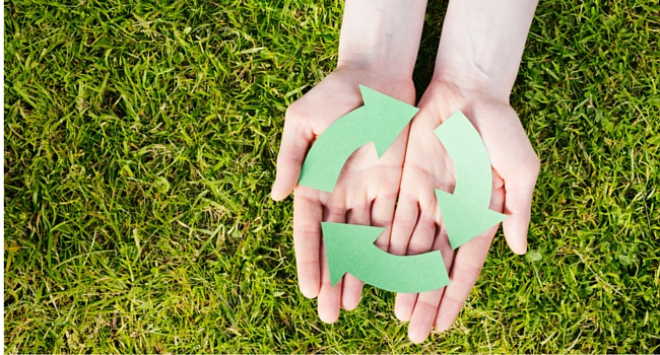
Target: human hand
(365, 192)
(377, 48)
(478, 58)
(418, 226)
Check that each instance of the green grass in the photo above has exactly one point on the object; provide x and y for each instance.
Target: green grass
(140, 146)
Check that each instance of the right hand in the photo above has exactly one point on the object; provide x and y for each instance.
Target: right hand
(366, 190)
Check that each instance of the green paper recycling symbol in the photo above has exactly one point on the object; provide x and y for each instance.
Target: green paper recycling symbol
(350, 248)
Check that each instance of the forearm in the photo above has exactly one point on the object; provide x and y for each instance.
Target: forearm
(382, 35)
(482, 44)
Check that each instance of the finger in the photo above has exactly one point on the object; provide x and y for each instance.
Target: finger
(423, 316)
(468, 261)
(295, 142)
(422, 237)
(352, 289)
(382, 213)
(518, 205)
(426, 306)
(421, 241)
(405, 219)
(307, 214)
(330, 297)
(404, 305)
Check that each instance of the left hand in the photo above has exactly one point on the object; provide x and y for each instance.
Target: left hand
(418, 226)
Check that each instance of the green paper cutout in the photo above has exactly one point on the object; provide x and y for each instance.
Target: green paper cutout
(465, 212)
(380, 120)
(350, 248)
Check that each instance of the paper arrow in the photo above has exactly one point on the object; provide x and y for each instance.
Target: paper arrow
(350, 248)
(380, 120)
(466, 212)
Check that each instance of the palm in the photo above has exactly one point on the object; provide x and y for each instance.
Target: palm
(418, 221)
(365, 192)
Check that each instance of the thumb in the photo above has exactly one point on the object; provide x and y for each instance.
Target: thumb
(295, 142)
(518, 204)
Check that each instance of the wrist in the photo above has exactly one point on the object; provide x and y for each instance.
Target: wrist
(381, 36)
(377, 66)
(476, 79)
(482, 44)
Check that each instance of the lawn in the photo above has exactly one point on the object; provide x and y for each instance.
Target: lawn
(140, 145)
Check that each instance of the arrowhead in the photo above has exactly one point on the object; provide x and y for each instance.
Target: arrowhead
(345, 245)
(463, 219)
(389, 115)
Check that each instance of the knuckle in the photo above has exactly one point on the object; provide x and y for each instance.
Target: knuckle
(416, 246)
(358, 204)
(380, 222)
(398, 246)
(335, 211)
(388, 196)
(295, 112)
(306, 229)
(287, 159)
(327, 284)
(404, 223)
(426, 306)
(531, 165)
(467, 272)
(305, 261)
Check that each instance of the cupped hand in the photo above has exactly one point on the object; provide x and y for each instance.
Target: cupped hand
(365, 192)
(418, 225)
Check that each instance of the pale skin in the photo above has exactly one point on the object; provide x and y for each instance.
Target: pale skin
(377, 51)
(478, 58)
